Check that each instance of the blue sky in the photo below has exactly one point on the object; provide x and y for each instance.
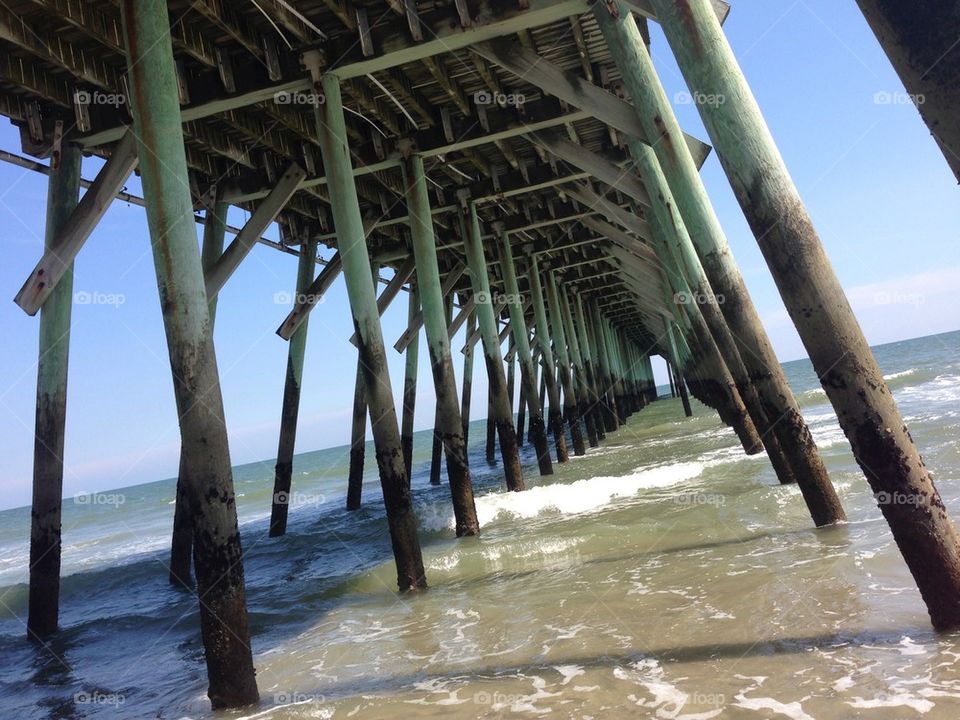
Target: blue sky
(878, 189)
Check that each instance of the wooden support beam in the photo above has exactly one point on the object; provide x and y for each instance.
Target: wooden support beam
(434, 310)
(694, 207)
(399, 279)
(575, 90)
(410, 383)
(543, 346)
(521, 342)
(850, 375)
(45, 517)
(571, 407)
(216, 277)
(497, 382)
(309, 298)
(331, 129)
(207, 467)
(290, 408)
(413, 328)
(73, 233)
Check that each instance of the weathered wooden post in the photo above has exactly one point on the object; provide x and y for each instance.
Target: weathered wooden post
(63, 188)
(491, 440)
(589, 359)
(358, 424)
(436, 320)
(217, 552)
(467, 375)
(499, 404)
(181, 541)
(290, 409)
(920, 40)
(678, 373)
(549, 374)
(663, 132)
(815, 300)
(331, 130)
(522, 414)
(580, 377)
(570, 406)
(521, 340)
(410, 383)
(604, 381)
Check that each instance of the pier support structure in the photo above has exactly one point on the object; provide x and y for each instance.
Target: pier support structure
(436, 310)
(217, 552)
(542, 338)
(496, 378)
(521, 340)
(332, 133)
(63, 188)
(815, 300)
(411, 361)
(290, 409)
(571, 408)
(779, 407)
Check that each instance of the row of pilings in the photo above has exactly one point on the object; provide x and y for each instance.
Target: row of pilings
(591, 342)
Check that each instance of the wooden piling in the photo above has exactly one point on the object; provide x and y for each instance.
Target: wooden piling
(437, 312)
(217, 550)
(521, 340)
(496, 379)
(571, 409)
(780, 409)
(290, 409)
(549, 374)
(467, 376)
(332, 134)
(579, 374)
(63, 187)
(410, 383)
(815, 300)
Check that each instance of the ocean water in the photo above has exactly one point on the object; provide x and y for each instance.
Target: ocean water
(664, 575)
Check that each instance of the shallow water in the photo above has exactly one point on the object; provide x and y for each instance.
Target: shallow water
(665, 574)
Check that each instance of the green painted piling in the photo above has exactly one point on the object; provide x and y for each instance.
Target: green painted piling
(521, 340)
(290, 409)
(437, 312)
(410, 383)
(499, 403)
(331, 130)
(217, 550)
(555, 414)
(816, 302)
(63, 187)
(571, 408)
(779, 407)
